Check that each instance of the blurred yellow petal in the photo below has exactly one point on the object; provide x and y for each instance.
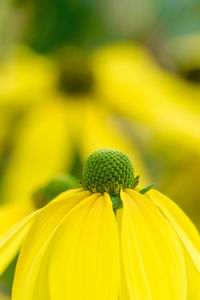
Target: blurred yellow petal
(42, 150)
(11, 240)
(152, 255)
(25, 76)
(11, 214)
(181, 223)
(85, 253)
(36, 242)
(130, 80)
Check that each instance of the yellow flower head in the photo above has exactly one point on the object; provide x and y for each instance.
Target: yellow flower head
(83, 245)
(62, 117)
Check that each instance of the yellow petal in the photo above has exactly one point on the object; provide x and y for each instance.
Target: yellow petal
(41, 289)
(11, 240)
(42, 150)
(25, 77)
(152, 255)
(11, 214)
(85, 258)
(181, 223)
(36, 242)
(193, 278)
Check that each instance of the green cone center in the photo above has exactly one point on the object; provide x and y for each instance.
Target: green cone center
(107, 170)
(76, 81)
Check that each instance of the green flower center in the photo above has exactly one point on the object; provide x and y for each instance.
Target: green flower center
(76, 81)
(76, 77)
(107, 170)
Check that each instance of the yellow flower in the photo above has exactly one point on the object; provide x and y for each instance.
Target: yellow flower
(162, 110)
(65, 119)
(77, 247)
(128, 78)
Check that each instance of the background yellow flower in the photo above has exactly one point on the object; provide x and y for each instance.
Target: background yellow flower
(56, 131)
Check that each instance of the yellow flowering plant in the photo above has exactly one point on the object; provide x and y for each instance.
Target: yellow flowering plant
(161, 112)
(138, 88)
(106, 240)
(64, 115)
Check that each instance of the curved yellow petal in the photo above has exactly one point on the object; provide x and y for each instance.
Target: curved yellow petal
(39, 289)
(11, 214)
(42, 150)
(181, 223)
(84, 262)
(11, 240)
(35, 244)
(152, 255)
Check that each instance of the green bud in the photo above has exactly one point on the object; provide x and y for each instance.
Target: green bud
(53, 188)
(107, 170)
